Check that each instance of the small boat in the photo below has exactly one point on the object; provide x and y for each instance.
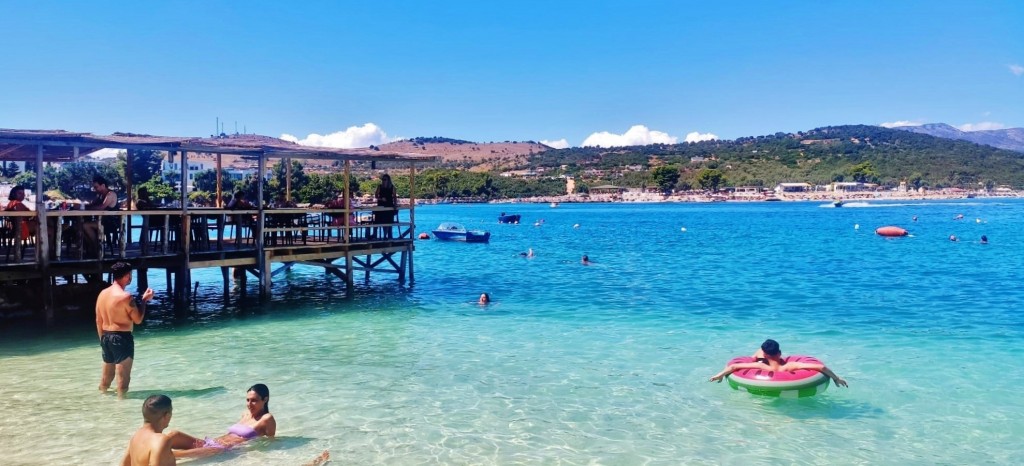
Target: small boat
(509, 218)
(554, 204)
(449, 231)
(837, 203)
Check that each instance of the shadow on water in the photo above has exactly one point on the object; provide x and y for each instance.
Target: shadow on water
(824, 407)
(187, 393)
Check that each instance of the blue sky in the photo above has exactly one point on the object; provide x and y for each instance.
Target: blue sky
(354, 73)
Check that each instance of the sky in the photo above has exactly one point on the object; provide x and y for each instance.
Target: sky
(569, 73)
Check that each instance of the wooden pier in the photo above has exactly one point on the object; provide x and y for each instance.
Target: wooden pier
(261, 241)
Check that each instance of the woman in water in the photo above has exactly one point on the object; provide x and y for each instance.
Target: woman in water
(769, 357)
(256, 421)
(485, 299)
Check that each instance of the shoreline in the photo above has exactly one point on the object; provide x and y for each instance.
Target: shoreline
(649, 198)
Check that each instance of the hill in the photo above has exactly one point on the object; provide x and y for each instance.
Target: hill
(1010, 139)
(819, 156)
(469, 155)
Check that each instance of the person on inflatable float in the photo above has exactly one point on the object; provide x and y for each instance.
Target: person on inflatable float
(769, 357)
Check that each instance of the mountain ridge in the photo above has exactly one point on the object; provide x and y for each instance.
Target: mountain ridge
(1008, 138)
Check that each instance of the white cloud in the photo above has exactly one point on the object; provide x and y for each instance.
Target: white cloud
(354, 136)
(698, 137)
(638, 135)
(897, 124)
(558, 144)
(983, 126)
(1016, 69)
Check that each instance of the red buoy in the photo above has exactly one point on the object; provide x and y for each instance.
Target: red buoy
(424, 236)
(890, 231)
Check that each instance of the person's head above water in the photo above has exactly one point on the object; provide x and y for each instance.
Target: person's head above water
(155, 408)
(485, 298)
(256, 396)
(771, 348)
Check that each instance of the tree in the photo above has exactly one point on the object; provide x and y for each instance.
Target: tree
(9, 169)
(75, 179)
(145, 163)
(665, 176)
(159, 190)
(280, 175)
(863, 172)
(206, 180)
(710, 178)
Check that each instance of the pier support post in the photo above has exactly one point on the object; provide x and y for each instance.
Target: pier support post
(142, 278)
(265, 275)
(226, 274)
(349, 280)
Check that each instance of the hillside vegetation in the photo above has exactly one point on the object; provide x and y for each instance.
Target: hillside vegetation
(819, 156)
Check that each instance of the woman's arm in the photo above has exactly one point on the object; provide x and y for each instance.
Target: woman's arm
(267, 425)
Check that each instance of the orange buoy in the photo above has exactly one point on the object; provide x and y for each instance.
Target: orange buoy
(424, 236)
(890, 231)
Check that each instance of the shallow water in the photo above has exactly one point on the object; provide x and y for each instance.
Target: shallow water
(606, 364)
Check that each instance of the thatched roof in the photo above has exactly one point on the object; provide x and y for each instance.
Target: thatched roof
(59, 146)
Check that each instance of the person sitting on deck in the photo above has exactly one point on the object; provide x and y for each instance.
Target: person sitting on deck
(387, 196)
(239, 202)
(256, 421)
(16, 203)
(143, 201)
(105, 200)
(283, 203)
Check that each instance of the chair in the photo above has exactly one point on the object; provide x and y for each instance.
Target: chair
(7, 236)
(154, 232)
(113, 230)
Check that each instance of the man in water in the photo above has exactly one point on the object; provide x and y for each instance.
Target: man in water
(116, 313)
(149, 446)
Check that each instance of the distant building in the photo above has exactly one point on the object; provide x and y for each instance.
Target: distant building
(570, 185)
(606, 189)
(792, 188)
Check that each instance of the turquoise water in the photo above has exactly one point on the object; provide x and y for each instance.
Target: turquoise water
(606, 364)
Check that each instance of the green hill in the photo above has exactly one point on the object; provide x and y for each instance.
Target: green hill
(819, 156)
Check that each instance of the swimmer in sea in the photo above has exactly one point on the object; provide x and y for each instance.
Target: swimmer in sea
(528, 254)
(485, 299)
(984, 239)
(953, 238)
(149, 446)
(769, 357)
(256, 421)
(585, 260)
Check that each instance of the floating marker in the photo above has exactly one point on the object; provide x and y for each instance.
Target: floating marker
(856, 226)
(682, 229)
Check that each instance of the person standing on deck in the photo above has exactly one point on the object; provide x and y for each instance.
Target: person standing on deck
(116, 314)
(387, 196)
(105, 200)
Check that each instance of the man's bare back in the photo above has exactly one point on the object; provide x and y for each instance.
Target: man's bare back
(116, 311)
(148, 448)
(116, 315)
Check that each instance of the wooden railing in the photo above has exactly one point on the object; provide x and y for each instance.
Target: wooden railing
(83, 234)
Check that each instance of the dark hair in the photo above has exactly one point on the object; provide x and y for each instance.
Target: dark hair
(14, 192)
(120, 269)
(264, 394)
(143, 190)
(771, 347)
(98, 179)
(155, 407)
(239, 194)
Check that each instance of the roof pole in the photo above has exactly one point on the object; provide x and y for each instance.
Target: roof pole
(288, 179)
(219, 203)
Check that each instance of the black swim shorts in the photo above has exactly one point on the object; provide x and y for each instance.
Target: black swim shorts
(117, 346)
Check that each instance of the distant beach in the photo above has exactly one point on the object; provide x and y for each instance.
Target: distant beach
(649, 197)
